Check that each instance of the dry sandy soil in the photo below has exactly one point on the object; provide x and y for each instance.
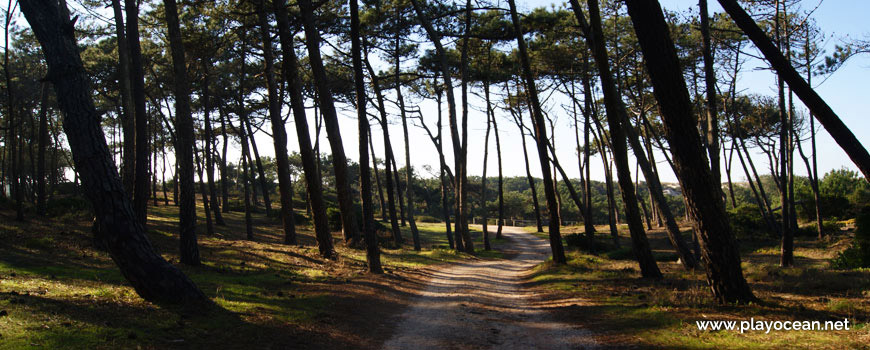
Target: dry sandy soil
(482, 304)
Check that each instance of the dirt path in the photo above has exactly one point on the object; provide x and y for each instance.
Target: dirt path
(481, 304)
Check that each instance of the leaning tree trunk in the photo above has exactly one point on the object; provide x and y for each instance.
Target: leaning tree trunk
(817, 106)
(538, 221)
(409, 177)
(446, 73)
(612, 104)
(312, 175)
(705, 205)
(330, 118)
(500, 179)
(209, 147)
(373, 254)
(183, 141)
(483, 208)
(151, 276)
(279, 133)
(541, 138)
(388, 156)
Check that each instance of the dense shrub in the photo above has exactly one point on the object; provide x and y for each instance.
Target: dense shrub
(747, 222)
(858, 255)
(333, 216)
(69, 205)
(426, 218)
(580, 242)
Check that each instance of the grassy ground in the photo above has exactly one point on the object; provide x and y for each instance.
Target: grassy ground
(607, 295)
(56, 291)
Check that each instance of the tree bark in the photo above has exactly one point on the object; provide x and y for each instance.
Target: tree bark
(612, 104)
(312, 174)
(279, 133)
(150, 275)
(541, 138)
(705, 205)
(373, 254)
(330, 118)
(184, 140)
(209, 146)
(137, 84)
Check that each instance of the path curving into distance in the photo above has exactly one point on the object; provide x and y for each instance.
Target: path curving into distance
(481, 304)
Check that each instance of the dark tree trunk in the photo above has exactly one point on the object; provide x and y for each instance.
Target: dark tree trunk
(459, 161)
(264, 186)
(279, 133)
(398, 183)
(330, 118)
(388, 156)
(483, 207)
(150, 275)
(137, 85)
(225, 184)
(608, 182)
(43, 144)
(705, 205)
(710, 81)
(309, 167)
(129, 117)
(209, 146)
(209, 226)
(373, 254)
(184, 140)
(612, 104)
(409, 177)
(442, 165)
(500, 179)
(541, 138)
(519, 121)
(383, 205)
(817, 106)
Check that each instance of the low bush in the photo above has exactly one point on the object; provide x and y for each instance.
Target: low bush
(747, 222)
(857, 255)
(427, 218)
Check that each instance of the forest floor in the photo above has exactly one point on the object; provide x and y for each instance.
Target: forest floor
(57, 291)
(626, 311)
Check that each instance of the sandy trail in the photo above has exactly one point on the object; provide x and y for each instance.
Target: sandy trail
(481, 304)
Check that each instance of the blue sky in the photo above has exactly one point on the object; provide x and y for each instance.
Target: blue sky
(846, 92)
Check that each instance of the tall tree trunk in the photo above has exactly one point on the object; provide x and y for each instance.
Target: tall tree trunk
(129, 117)
(459, 161)
(279, 133)
(330, 118)
(184, 140)
(373, 254)
(608, 182)
(151, 276)
(409, 177)
(817, 106)
(483, 206)
(500, 179)
(705, 205)
(209, 145)
(541, 138)
(137, 84)
(383, 205)
(710, 81)
(309, 167)
(519, 120)
(264, 186)
(209, 226)
(225, 183)
(442, 165)
(388, 156)
(12, 123)
(787, 239)
(43, 144)
(612, 104)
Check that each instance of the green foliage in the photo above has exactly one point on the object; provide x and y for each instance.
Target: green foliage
(66, 205)
(582, 243)
(426, 218)
(747, 222)
(333, 216)
(858, 255)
